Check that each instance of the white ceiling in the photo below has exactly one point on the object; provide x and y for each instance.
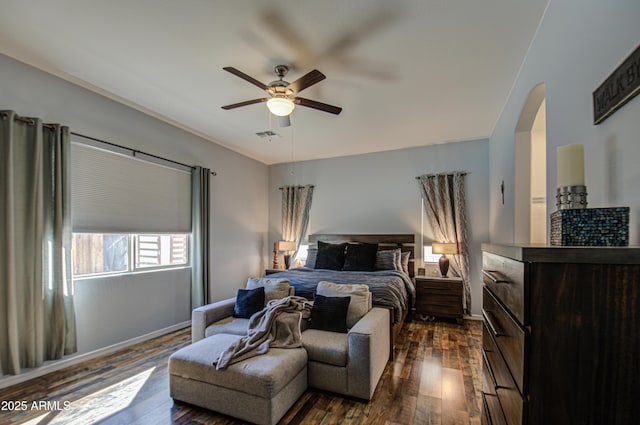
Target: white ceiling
(407, 72)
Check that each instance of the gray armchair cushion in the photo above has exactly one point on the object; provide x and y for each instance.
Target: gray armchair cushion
(325, 347)
(274, 289)
(204, 316)
(228, 325)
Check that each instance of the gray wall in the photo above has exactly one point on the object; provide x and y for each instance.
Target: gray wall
(578, 45)
(115, 309)
(378, 193)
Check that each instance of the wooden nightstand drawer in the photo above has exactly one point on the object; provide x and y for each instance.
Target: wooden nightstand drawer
(439, 293)
(439, 310)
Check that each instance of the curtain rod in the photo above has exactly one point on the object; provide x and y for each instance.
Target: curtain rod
(26, 120)
(463, 173)
(308, 185)
(134, 151)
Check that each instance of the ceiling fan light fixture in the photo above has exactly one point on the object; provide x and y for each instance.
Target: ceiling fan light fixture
(280, 106)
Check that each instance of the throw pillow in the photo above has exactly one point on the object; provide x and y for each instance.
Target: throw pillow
(311, 258)
(359, 294)
(399, 261)
(405, 262)
(274, 289)
(330, 256)
(386, 259)
(329, 313)
(360, 257)
(248, 302)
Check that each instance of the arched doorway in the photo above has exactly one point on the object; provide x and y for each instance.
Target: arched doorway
(531, 170)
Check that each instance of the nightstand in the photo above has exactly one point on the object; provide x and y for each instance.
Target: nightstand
(439, 297)
(272, 271)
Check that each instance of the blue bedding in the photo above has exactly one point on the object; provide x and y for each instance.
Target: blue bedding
(388, 288)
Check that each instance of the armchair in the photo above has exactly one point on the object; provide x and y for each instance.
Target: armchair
(346, 363)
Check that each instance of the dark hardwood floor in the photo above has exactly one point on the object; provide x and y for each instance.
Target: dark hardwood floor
(435, 378)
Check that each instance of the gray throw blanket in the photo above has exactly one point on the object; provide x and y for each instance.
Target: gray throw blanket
(276, 326)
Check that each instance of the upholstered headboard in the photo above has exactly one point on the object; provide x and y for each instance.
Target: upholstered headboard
(405, 242)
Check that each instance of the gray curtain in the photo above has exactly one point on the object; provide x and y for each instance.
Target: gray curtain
(37, 319)
(296, 204)
(200, 228)
(444, 201)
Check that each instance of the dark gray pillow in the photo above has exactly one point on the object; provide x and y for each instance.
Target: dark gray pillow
(360, 257)
(386, 259)
(248, 302)
(330, 256)
(329, 313)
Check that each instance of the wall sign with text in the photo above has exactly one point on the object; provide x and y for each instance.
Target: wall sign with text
(621, 86)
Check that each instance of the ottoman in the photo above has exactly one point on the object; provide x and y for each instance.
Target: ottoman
(260, 389)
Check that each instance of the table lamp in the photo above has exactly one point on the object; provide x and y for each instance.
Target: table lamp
(444, 249)
(283, 246)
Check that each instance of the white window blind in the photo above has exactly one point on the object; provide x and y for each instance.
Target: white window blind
(114, 193)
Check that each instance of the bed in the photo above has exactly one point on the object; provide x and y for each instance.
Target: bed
(392, 289)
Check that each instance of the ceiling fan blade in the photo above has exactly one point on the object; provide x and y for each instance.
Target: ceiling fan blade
(307, 80)
(359, 32)
(282, 28)
(245, 77)
(245, 103)
(317, 105)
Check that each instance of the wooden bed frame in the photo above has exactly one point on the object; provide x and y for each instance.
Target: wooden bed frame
(406, 242)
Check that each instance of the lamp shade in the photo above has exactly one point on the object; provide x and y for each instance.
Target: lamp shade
(285, 246)
(280, 106)
(444, 248)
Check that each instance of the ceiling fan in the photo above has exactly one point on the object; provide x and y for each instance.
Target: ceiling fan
(282, 94)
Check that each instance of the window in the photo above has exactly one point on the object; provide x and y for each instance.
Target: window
(160, 250)
(103, 253)
(301, 256)
(429, 256)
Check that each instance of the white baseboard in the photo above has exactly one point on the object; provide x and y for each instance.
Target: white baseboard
(55, 365)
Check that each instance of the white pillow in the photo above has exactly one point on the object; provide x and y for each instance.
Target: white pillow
(399, 260)
(274, 289)
(360, 303)
(405, 262)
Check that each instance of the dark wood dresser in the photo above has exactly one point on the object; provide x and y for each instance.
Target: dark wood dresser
(561, 336)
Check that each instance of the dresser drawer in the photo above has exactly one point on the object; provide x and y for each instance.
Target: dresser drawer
(496, 369)
(488, 380)
(506, 279)
(491, 411)
(508, 336)
(496, 374)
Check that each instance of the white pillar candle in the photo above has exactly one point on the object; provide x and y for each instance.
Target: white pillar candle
(570, 165)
